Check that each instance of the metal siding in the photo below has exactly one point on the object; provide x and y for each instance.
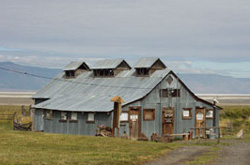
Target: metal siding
(39, 125)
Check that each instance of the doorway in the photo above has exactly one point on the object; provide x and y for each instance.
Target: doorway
(134, 122)
(167, 121)
(200, 121)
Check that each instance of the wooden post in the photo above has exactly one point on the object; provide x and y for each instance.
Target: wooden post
(218, 135)
(116, 115)
(199, 133)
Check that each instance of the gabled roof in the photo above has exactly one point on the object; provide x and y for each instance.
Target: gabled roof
(75, 65)
(147, 62)
(109, 64)
(85, 93)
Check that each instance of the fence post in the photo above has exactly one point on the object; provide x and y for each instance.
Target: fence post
(218, 135)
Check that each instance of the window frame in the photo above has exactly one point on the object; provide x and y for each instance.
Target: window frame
(50, 112)
(124, 121)
(87, 119)
(208, 117)
(164, 93)
(147, 111)
(73, 120)
(190, 113)
(67, 116)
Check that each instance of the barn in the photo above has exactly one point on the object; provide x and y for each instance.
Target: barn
(155, 100)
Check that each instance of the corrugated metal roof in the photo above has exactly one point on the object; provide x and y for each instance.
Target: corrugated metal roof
(74, 65)
(146, 62)
(107, 64)
(85, 93)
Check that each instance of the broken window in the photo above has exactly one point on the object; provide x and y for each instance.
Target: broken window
(64, 116)
(104, 72)
(124, 117)
(70, 74)
(90, 118)
(209, 114)
(48, 114)
(170, 92)
(148, 114)
(187, 113)
(142, 71)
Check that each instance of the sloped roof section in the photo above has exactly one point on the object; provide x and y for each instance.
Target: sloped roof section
(75, 65)
(89, 94)
(147, 62)
(109, 64)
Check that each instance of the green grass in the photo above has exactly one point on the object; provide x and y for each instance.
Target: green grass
(19, 147)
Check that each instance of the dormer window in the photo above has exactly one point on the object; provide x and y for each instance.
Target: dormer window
(142, 71)
(70, 73)
(147, 66)
(73, 69)
(110, 68)
(104, 72)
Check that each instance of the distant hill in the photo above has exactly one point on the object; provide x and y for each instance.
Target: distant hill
(198, 83)
(216, 84)
(10, 81)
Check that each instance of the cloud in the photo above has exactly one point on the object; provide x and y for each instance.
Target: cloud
(194, 30)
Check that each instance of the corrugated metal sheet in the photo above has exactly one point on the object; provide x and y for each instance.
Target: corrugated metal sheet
(146, 62)
(73, 65)
(85, 93)
(107, 64)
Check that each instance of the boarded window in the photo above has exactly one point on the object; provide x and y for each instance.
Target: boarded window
(148, 114)
(169, 80)
(209, 114)
(187, 113)
(73, 116)
(64, 116)
(91, 118)
(48, 114)
(124, 117)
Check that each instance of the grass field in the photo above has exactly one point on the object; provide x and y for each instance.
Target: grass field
(18, 147)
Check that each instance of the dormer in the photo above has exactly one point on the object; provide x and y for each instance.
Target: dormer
(73, 69)
(110, 68)
(147, 66)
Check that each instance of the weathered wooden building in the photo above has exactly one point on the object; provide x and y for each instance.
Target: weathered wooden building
(156, 100)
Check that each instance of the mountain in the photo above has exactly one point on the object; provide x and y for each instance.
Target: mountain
(198, 83)
(216, 84)
(11, 81)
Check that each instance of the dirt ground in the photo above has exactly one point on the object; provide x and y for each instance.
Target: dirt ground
(238, 153)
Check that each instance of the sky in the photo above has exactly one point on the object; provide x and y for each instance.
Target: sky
(194, 36)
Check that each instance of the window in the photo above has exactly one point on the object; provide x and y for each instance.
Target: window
(170, 92)
(142, 71)
(148, 114)
(209, 114)
(104, 72)
(90, 118)
(48, 114)
(169, 80)
(70, 74)
(187, 113)
(73, 116)
(64, 116)
(124, 117)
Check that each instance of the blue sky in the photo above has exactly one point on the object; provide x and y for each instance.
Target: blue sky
(189, 36)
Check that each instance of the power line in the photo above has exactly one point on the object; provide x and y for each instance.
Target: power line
(64, 80)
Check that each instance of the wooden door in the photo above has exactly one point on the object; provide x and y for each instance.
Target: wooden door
(200, 121)
(167, 121)
(134, 122)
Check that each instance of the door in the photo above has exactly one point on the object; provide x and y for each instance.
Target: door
(200, 121)
(167, 121)
(134, 122)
